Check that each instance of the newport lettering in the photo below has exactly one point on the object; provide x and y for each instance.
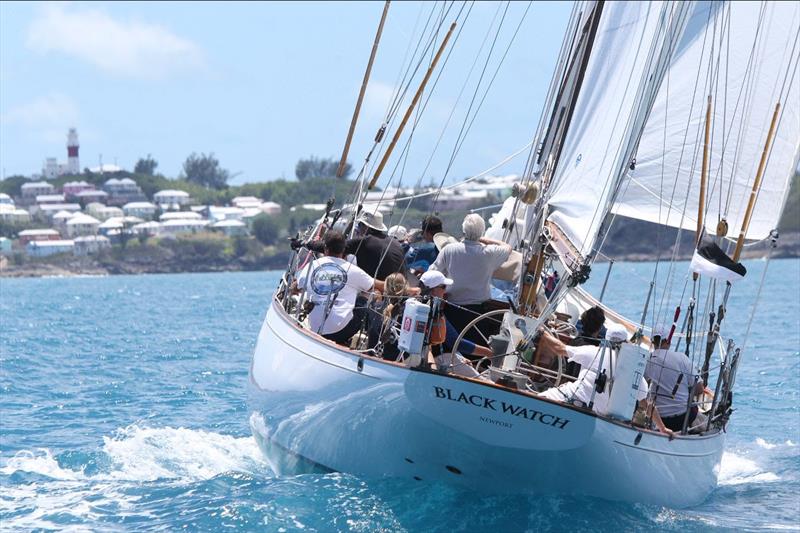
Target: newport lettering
(476, 400)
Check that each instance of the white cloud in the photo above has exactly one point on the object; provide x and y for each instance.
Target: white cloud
(124, 48)
(52, 109)
(46, 118)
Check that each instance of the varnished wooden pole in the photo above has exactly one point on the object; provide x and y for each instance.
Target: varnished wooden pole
(413, 104)
(701, 202)
(756, 185)
(343, 160)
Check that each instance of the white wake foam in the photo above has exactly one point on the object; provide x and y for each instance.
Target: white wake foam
(135, 455)
(736, 470)
(146, 454)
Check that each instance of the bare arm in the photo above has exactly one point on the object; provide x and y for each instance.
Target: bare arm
(651, 411)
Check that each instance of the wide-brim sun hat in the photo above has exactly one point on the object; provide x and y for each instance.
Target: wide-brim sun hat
(443, 239)
(372, 220)
(398, 232)
(434, 278)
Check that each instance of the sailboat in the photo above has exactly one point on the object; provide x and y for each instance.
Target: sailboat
(685, 115)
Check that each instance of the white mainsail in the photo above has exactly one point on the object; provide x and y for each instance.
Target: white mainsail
(633, 43)
(745, 54)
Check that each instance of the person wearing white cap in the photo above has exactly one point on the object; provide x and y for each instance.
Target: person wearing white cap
(376, 252)
(672, 379)
(588, 357)
(434, 284)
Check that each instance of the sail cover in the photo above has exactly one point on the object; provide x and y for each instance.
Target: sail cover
(745, 54)
(623, 55)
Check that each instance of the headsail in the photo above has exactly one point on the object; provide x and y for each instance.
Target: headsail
(629, 56)
(745, 54)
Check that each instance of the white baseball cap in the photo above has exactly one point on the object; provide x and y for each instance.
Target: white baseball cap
(616, 333)
(434, 278)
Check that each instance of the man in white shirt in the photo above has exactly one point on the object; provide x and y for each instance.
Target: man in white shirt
(582, 388)
(332, 284)
(471, 264)
(672, 379)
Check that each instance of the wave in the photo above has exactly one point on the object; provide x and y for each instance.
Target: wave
(738, 470)
(147, 454)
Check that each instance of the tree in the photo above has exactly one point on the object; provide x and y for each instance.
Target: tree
(266, 229)
(325, 168)
(205, 170)
(146, 166)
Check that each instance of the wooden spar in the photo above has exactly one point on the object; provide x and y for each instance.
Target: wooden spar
(343, 160)
(756, 185)
(701, 202)
(411, 107)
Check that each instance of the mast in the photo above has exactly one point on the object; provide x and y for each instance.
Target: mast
(411, 107)
(343, 160)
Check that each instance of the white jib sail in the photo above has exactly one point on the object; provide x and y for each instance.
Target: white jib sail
(605, 114)
(745, 54)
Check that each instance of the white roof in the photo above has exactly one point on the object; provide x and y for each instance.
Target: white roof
(139, 205)
(226, 210)
(180, 215)
(270, 204)
(35, 184)
(171, 192)
(4, 196)
(49, 197)
(51, 244)
(11, 209)
(106, 209)
(60, 207)
(63, 215)
(92, 238)
(91, 192)
(183, 222)
(76, 184)
(35, 232)
(81, 218)
(148, 225)
(111, 223)
(112, 181)
(245, 199)
(126, 181)
(231, 223)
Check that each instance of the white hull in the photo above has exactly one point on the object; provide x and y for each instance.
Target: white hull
(317, 404)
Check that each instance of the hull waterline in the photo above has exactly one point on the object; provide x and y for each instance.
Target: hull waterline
(317, 407)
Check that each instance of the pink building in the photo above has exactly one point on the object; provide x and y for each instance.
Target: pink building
(72, 188)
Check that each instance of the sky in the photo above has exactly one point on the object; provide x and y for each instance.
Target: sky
(262, 85)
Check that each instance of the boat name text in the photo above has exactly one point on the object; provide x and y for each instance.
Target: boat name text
(476, 400)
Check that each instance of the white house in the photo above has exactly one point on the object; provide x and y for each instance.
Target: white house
(270, 208)
(49, 210)
(60, 220)
(103, 212)
(91, 196)
(90, 244)
(231, 228)
(171, 199)
(45, 248)
(150, 229)
(43, 199)
(31, 190)
(145, 210)
(82, 224)
(5, 199)
(246, 201)
(176, 227)
(44, 234)
(15, 215)
(215, 214)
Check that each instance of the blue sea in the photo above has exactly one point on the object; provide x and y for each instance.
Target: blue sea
(122, 408)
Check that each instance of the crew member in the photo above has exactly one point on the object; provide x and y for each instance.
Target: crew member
(332, 285)
(671, 379)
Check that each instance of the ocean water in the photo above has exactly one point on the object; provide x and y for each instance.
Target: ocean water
(122, 407)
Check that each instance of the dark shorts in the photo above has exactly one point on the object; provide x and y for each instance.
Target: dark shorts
(675, 423)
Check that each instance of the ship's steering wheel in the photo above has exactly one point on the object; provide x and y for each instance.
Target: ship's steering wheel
(553, 375)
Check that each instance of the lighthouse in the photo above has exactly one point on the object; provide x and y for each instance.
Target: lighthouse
(73, 163)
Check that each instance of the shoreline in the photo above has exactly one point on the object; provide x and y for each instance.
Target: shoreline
(789, 248)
